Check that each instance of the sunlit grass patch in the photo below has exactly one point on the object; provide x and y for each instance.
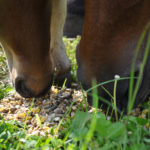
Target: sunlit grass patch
(71, 52)
(3, 65)
(4, 86)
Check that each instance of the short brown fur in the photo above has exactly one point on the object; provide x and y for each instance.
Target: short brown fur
(110, 35)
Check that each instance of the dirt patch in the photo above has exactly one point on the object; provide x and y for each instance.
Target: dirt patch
(47, 111)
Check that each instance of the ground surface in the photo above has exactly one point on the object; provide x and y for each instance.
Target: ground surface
(49, 109)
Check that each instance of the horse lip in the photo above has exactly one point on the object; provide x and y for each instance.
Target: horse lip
(26, 92)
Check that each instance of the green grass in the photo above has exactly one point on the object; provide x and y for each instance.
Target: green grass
(3, 67)
(4, 87)
(86, 130)
(94, 131)
(71, 49)
(133, 93)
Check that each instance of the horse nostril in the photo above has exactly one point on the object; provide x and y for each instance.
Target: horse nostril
(22, 89)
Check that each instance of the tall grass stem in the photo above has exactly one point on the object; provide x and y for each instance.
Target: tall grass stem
(133, 94)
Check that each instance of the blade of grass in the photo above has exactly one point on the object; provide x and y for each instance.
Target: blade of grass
(38, 120)
(25, 124)
(132, 75)
(110, 81)
(67, 112)
(64, 84)
(142, 69)
(90, 133)
(84, 98)
(115, 91)
(107, 92)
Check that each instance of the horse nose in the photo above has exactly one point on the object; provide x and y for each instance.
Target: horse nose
(22, 89)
